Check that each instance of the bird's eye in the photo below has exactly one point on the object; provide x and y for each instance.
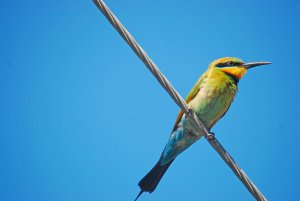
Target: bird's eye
(230, 63)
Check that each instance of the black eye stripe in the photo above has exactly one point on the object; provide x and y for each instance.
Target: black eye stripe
(229, 63)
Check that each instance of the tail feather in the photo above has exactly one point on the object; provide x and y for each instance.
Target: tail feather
(151, 180)
(140, 193)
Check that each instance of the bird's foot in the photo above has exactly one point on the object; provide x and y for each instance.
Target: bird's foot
(211, 136)
(190, 111)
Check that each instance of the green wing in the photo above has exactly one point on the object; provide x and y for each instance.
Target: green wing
(190, 97)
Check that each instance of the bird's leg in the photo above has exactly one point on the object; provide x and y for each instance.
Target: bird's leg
(211, 136)
(190, 111)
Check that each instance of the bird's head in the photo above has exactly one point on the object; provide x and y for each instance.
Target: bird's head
(234, 67)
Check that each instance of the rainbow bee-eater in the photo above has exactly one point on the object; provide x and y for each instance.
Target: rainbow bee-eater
(210, 98)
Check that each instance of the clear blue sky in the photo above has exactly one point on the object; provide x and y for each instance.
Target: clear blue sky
(81, 118)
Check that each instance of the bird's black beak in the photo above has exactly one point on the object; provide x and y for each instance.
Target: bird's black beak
(254, 64)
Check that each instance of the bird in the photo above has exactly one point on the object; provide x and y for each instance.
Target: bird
(210, 98)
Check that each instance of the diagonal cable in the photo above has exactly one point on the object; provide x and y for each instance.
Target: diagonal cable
(179, 100)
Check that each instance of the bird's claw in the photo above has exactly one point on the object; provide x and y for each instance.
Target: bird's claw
(211, 136)
(190, 110)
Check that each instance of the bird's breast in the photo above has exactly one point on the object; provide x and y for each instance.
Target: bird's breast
(213, 100)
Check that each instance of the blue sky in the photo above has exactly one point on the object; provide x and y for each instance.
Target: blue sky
(81, 118)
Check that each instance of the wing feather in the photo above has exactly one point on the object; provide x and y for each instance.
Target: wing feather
(192, 94)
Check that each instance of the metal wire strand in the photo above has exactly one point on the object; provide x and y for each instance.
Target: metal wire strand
(179, 100)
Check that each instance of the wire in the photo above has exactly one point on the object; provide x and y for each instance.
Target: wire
(179, 100)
